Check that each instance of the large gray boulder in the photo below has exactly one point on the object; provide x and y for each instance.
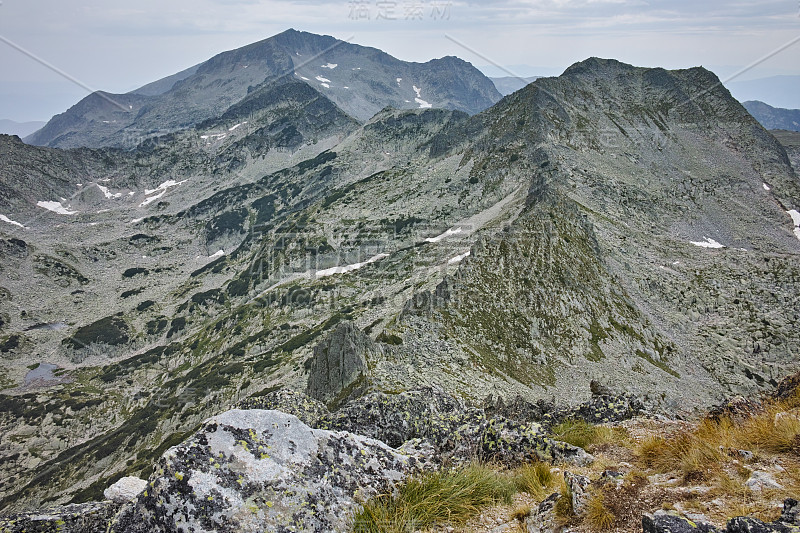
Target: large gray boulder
(257, 470)
(339, 366)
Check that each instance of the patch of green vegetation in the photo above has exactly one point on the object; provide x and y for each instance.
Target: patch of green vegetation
(227, 222)
(660, 364)
(140, 239)
(131, 272)
(157, 325)
(54, 268)
(389, 338)
(9, 343)
(325, 157)
(310, 334)
(535, 478)
(238, 287)
(210, 296)
(132, 292)
(145, 305)
(214, 266)
(264, 363)
(598, 335)
(111, 330)
(177, 325)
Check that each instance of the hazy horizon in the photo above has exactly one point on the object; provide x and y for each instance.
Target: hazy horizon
(118, 49)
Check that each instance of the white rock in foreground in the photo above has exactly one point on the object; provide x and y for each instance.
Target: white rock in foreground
(125, 489)
(258, 470)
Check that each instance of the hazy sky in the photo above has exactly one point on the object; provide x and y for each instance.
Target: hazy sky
(118, 46)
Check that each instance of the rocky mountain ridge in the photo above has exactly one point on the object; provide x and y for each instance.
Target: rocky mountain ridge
(621, 224)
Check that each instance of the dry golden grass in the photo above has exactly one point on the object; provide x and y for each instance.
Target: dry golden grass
(563, 508)
(598, 516)
(535, 479)
(445, 496)
(521, 512)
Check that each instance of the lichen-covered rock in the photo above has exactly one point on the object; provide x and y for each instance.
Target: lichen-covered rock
(543, 519)
(256, 470)
(339, 365)
(670, 522)
(605, 408)
(80, 518)
(736, 409)
(456, 431)
(791, 512)
(787, 387)
(125, 489)
(578, 490)
(600, 408)
(307, 409)
(746, 524)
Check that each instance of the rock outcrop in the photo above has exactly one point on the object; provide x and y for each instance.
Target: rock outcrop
(247, 471)
(457, 431)
(670, 522)
(81, 518)
(339, 365)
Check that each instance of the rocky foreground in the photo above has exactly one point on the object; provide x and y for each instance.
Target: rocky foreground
(285, 462)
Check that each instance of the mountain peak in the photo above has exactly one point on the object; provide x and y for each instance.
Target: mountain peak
(360, 80)
(595, 65)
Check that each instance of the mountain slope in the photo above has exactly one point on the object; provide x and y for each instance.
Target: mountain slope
(358, 79)
(774, 118)
(573, 231)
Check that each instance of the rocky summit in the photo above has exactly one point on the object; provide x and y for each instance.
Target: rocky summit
(283, 281)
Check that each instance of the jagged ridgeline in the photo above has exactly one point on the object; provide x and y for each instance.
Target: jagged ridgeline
(623, 224)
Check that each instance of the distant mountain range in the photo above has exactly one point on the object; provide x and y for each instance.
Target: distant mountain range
(774, 118)
(358, 79)
(778, 91)
(20, 129)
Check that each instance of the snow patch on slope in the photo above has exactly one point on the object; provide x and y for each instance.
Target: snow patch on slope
(708, 243)
(8, 220)
(796, 219)
(55, 207)
(349, 268)
(422, 103)
(161, 190)
(448, 233)
(458, 258)
(108, 193)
